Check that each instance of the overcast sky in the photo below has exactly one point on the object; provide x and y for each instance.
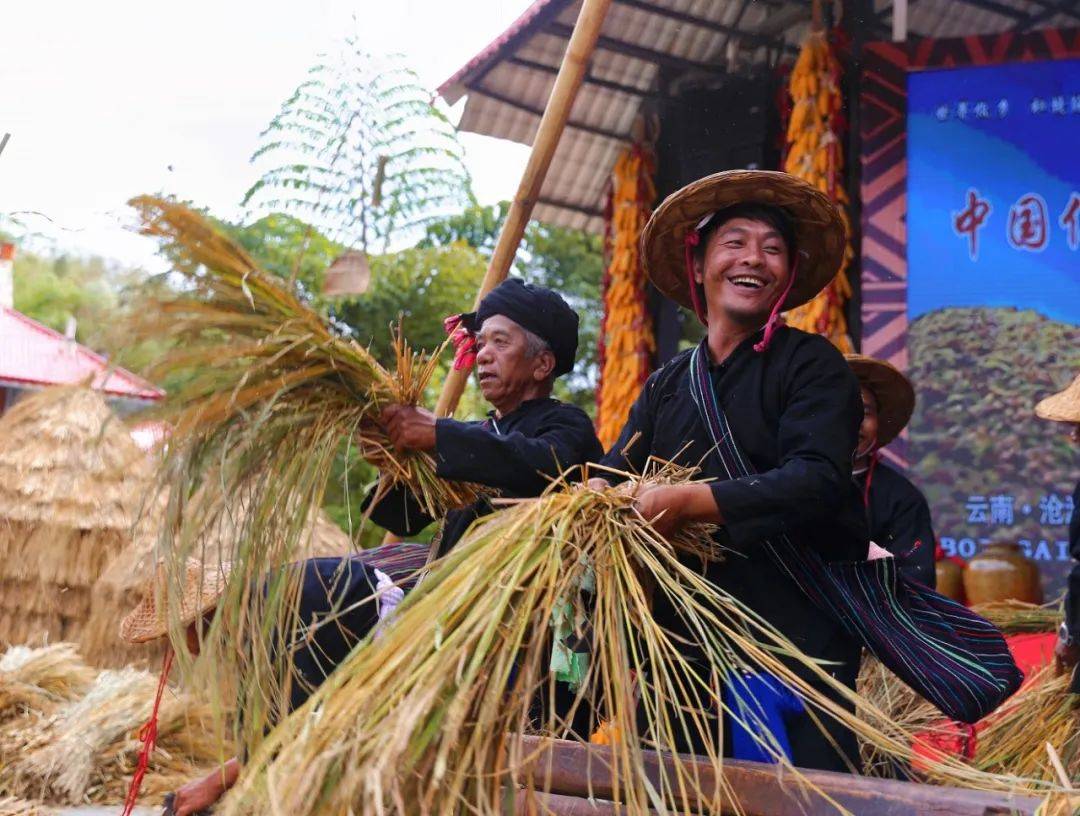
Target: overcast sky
(102, 98)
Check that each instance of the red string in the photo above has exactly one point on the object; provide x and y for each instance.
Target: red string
(691, 240)
(774, 316)
(148, 736)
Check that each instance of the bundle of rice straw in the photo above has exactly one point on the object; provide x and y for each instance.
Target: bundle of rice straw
(1015, 736)
(14, 806)
(262, 362)
(84, 749)
(424, 717)
(39, 679)
(71, 484)
(1017, 617)
(1011, 742)
(273, 397)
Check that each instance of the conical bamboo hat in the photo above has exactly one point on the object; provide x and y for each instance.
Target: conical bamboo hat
(67, 460)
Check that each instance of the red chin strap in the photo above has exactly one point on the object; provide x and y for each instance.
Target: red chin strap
(775, 321)
(691, 240)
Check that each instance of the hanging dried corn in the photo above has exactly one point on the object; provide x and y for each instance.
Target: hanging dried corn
(626, 336)
(815, 153)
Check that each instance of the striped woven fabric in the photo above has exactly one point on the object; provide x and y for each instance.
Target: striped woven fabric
(954, 658)
(401, 561)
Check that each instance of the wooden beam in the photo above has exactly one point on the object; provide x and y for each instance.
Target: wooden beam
(575, 62)
(539, 112)
(538, 803)
(573, 769)
(606, 84)
(640, 52)
(743, 6)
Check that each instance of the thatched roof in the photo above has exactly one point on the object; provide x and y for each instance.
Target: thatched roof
(67, 460)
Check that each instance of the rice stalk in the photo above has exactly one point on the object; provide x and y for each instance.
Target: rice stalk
(82, 744)
(271, 395)
(1014, 739)
(253, 351)
(14, 806)
(1017, 617)
(424, 718)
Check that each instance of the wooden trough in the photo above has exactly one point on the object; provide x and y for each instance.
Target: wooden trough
(578, 783)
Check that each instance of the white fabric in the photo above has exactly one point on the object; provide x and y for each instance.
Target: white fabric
(877, 552)
(389, 594)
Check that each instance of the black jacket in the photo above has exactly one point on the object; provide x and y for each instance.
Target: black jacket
(517, 454)
(795, 411)
(899, 521)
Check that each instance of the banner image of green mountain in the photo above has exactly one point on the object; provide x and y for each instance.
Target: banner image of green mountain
(990, 469)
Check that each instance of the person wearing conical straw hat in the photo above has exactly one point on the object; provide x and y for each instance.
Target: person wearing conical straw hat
(737, 248)
(339, 601)
(896, 510)
(520, 339)
(1064, 407)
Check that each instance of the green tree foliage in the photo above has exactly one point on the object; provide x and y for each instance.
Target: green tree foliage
(420, 286)
(359, 151)
(54, 290)
(288, 247)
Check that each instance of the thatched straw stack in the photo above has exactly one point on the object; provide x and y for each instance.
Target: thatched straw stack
(14, 806)
(73, 737)
(120, 586)
(71, 483)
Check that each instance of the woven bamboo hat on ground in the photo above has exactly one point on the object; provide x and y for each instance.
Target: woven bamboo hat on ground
(819, 229)
(203, 586)
(893, 391)
(1064, 406)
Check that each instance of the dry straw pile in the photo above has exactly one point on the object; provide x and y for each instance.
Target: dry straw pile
(424, 718)
(69, 733)
(71, 484)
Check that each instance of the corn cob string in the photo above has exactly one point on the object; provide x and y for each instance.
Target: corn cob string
(814, 154)
(627, 341)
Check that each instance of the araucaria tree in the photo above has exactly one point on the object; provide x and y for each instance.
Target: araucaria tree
(360, 152)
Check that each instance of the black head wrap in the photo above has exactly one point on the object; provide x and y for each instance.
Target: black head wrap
(536, 309)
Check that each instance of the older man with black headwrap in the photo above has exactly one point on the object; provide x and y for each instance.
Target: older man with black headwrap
(521, 338)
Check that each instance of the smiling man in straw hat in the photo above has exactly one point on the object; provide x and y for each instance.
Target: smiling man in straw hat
(1064, 407)
(896, 511)
(737, 248)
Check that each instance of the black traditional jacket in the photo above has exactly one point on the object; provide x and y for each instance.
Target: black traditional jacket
(899, 521)
(795, 412)
(517, 454)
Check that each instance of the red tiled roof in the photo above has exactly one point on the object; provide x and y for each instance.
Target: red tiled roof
(34, 355)
(516, 29)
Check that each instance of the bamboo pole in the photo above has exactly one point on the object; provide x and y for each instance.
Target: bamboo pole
(575, 62)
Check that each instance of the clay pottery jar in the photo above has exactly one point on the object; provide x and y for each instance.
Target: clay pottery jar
(950, 579)
(1001, 572)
